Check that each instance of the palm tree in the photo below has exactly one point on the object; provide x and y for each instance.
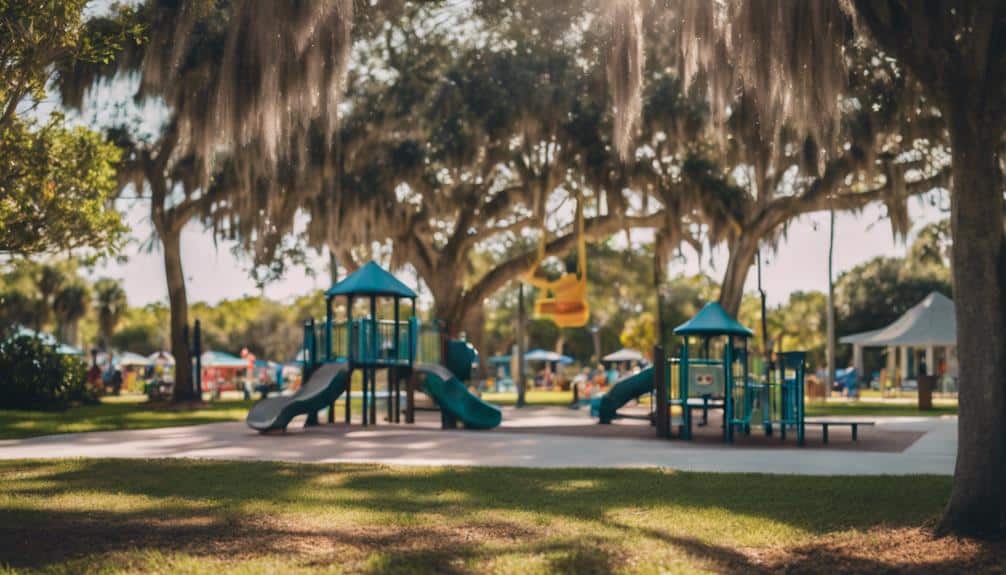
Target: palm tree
(110, 299)
(49, 280)
(69, 306)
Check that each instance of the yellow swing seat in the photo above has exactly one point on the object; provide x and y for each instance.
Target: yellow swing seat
(567, 306)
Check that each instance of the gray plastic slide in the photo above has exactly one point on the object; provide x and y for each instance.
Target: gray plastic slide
(326, 384)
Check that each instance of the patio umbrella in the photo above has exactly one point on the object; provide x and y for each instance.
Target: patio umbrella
(164, 356)
(132, 359)
(549, 356)
(624, 354)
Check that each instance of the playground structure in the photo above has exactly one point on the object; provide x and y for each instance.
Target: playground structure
(718, 377)
(410, 351)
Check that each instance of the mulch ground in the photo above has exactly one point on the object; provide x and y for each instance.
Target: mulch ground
(839, 438)
(906, 550)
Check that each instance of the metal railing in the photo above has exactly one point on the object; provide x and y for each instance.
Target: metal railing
(365, 341)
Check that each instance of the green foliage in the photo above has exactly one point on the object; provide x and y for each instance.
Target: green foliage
(932, 245)
(36, 34)
(44, 296)
(682, 298)
(56, 187)
(640, 333)
(142, 330)
(798, 325)
(35, 377)
(55, 182)
(269, 329)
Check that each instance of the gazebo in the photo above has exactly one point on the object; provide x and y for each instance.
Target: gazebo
(928, 327)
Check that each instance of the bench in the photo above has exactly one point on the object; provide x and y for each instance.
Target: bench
(852, 424)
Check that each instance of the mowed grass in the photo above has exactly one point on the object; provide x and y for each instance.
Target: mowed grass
(113, 516)
(116, 413)
(532, 397)
(134, 412)
(867, 408)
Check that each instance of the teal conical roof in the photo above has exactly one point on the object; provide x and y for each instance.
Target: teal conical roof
(712, 320)
(371, 279)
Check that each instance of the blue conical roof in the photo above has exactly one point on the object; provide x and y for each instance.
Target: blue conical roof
(371, 279)
(712, 320)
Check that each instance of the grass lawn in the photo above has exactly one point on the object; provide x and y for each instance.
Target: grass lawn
(533, 397)
(115, 413)
(111, 516)
(868, 408)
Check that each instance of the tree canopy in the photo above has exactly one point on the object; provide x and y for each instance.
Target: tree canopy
(56, 182)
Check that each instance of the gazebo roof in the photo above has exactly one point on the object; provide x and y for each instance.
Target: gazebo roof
(931, 322)
(712, 320)
(371, 280)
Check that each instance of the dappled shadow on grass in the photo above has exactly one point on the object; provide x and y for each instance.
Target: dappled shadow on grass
(440, 519)
(53, 537)
(906, 550)
(811, 504)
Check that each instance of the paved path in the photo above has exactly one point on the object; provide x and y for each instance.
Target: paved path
(934, 453)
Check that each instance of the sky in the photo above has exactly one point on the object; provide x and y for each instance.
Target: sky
(213, 272)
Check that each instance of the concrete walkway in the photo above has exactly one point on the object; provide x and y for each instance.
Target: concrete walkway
(933, 453)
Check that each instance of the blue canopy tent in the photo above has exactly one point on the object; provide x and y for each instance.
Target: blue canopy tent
(48, 339)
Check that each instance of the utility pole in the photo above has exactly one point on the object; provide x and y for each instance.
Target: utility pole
(766, 351)
(521, 379)
(830, 379)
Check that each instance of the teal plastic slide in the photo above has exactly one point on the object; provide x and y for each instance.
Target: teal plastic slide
(625, 390)
(455, 400)
(326, 384)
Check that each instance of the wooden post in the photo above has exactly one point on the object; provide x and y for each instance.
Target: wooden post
(663, 415)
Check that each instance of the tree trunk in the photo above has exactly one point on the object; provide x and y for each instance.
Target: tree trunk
(474, 322)
(742, 253)
(978, 499)
(178, 300)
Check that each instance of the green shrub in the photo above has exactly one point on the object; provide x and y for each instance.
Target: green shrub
(34, 376)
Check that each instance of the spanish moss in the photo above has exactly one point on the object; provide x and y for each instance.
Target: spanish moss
(625, 71)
